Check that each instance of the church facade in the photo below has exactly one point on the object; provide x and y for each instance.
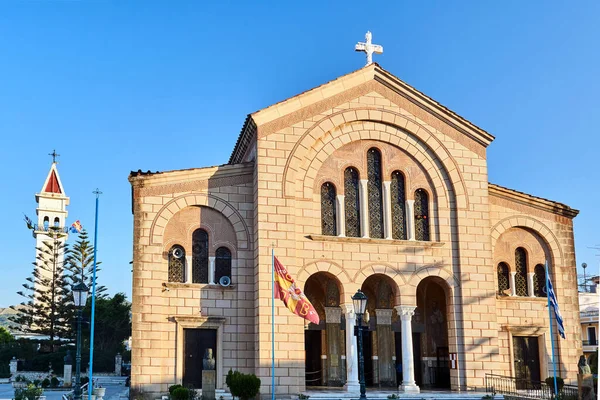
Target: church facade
(361, 183)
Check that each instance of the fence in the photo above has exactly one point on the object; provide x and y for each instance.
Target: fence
(527, 389)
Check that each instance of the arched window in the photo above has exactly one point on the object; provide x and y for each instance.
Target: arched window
(521, 272)
(421, 215)
(56, 222)
(503, 279)
(200, 256)
(328, 210)
(176, 264)
(374, 193)
(539, 281)
(398, 206)
(352, 202)
(46, 223)
(222, 263)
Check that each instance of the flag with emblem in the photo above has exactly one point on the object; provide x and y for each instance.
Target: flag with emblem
(76, 227)
(291, 295)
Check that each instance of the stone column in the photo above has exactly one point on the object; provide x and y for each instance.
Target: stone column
(387, 209)
(530, 284)
(118, 364)
(513, 289)
(385, 349)
(364, 208)
(13, 367)
(341, 215)
(408, 370)
(211, 270)
(188, 269)
(333, 317)
(410, 219)
(352, 384)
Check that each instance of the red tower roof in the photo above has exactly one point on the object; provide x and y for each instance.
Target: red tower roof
(53, 186)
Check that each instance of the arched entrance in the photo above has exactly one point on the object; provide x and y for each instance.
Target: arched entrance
(380, 341)
(324, 344)
(431, 317)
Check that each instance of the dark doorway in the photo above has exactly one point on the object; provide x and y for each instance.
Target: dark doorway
(195, 343)
(312, 348)
(442, 369)
(527, 360)
(368, 356)
(416, 357)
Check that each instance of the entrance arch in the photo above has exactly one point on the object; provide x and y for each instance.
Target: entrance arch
(432, 318)
(380, 341)
(324, 343)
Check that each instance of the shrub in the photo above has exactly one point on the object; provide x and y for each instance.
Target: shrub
(181, 393)
(29, 393)
(244, 386)
(559, 382)
(46, 383)
(54, 382)
(172, 388)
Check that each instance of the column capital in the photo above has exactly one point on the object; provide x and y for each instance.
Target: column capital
(384, 316)
(406, 312)
(348, 309)
(333, 315)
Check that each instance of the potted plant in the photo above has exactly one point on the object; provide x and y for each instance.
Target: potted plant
(559, 383)
(20, 382)
(30, 392)
(99, 391)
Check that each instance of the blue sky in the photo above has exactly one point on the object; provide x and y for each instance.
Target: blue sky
(116, 86)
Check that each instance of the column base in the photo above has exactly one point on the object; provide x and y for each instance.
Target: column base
(352, 387)
(412, 388)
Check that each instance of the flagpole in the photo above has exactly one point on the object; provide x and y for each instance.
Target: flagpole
(273, 323)
(91, 374)
(551, 330)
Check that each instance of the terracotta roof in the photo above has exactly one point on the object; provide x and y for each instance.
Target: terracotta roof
(528, 199)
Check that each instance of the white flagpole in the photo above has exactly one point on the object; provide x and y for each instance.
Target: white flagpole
(551, 330)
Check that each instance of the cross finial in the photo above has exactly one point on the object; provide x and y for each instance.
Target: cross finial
(54, 154)
(369, 48)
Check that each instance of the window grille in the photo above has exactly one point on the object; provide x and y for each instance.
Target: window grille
(539, 281)
(351, 202)
(421, 215)
(374, 192)
(398, 196)
(521, 272)
(200, 256)
(328, 209)
(222, 263)
(176, 264)
(503, 279)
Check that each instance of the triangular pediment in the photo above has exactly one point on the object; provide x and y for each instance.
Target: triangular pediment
(367, 79)
(52, 184)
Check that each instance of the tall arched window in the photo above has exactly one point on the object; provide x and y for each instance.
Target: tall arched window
(200, 256)
(46, 223)
(374, 192)
(328, 210)
(398, 206)
(521, 272)
(539, 281)
(176, 264)
(352, 202)
(503, 279)
(222, 263)
(421, 215)
(56, 222)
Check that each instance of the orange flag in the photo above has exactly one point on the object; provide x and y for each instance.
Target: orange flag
(292, 296)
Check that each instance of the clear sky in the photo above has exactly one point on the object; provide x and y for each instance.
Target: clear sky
(116, 86)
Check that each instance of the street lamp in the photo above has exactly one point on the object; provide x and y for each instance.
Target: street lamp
(80, 293)
(360, 306)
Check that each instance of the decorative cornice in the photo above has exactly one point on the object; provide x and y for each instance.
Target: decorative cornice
(333, 315)
(405, 243)
(195, 185)
(525, 199)
(384, 316)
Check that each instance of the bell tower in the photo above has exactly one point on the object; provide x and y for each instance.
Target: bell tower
(51, 211)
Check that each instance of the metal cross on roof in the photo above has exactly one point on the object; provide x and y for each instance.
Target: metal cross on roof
(54, 154)
(369, 48)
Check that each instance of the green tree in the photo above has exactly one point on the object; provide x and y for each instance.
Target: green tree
(48, 307)
(5, 336)
(80, 264)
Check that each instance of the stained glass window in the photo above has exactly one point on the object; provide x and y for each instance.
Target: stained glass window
(503, 279)
(539, 281)
(352, 202)
(398, 206)
(521, 270)
(176, 264)
(421, 215)
(200, 256)
(328, 210)
(374, 193)
(222, 263)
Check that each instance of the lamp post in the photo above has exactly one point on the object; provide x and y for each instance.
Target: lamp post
(360, 305)
(80, 293)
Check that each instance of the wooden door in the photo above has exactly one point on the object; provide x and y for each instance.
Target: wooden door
(312, 351)
(526, 361)
(195, 343)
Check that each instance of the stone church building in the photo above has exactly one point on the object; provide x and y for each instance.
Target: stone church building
(361, 183)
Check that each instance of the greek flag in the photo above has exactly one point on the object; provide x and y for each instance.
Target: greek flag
(554, 304)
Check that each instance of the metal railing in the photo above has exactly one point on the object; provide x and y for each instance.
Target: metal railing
(69, 395)
(590, 342)
(527, 389)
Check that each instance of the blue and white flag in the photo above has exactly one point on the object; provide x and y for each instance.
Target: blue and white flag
(554, 304)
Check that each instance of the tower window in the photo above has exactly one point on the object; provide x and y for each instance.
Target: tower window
(351, 202)
(176, 264)
(421, 215)
(521, 269)
(200, 256)
(374, 192)
(328, 211)
(56, 222)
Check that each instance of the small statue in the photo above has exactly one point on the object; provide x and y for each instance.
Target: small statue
(208, 363)
(584, 368)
